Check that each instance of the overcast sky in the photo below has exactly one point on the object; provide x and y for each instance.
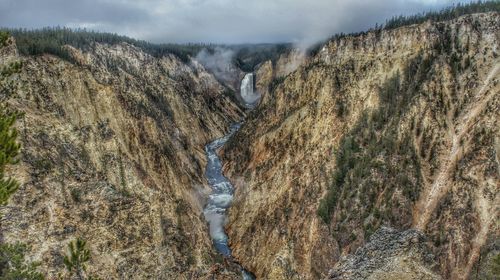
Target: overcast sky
(217, 21)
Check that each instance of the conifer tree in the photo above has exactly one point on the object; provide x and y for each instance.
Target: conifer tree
(78, 255)
(12, 256)
(9, 150)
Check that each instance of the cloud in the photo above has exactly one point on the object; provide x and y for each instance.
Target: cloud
(217, 21)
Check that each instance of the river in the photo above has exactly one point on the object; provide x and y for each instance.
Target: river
(220, 199)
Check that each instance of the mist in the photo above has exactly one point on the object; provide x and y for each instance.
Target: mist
(219, 62)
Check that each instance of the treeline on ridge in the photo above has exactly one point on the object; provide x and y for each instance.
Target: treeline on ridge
(447, 13)
(51, 40)
(444, 14)
(248, 56)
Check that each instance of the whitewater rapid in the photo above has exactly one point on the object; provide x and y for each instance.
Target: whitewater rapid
(221, 197)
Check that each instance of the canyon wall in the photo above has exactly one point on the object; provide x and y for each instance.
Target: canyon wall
(112, 152)
(395, 128)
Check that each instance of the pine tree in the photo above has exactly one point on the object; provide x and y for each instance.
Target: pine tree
(4, 35)
(13, 265)
(9, 150)
(12, 261)
(76, 258)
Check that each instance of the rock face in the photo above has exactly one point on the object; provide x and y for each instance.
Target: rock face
(268, 73)
(112, 151)
(388, 255)
(393, 127)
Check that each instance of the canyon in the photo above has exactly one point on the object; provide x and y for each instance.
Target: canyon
(373, 156)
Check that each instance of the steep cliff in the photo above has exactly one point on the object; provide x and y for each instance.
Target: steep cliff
(392, 127)
(112, 152)
(270, 73)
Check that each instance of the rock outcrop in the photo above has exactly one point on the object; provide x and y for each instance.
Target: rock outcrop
(112, 152)
(388, 255)
(392, 127)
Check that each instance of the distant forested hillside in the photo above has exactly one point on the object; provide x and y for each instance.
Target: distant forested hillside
(250, 55)
(51, 40)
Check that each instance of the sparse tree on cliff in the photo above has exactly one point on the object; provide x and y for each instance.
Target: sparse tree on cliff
(12, 260)
(76, 258)
(9, 150)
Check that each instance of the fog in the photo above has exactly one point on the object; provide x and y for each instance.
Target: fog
(219, 62)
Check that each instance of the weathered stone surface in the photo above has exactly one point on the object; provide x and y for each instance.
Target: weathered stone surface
(112, 151)
(389, 254)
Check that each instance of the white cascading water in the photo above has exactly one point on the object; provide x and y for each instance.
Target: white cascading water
(247, 91)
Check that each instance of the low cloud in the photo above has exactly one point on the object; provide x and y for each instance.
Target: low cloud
(219, 62)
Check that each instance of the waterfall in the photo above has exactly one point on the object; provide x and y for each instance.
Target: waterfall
(247, 91)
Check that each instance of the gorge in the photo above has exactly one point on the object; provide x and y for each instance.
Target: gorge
(372, 155)
(221, 197)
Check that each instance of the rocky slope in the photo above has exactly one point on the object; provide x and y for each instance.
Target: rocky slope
(392, 127)
(388, 255)
(268, 74)
(112, 151)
